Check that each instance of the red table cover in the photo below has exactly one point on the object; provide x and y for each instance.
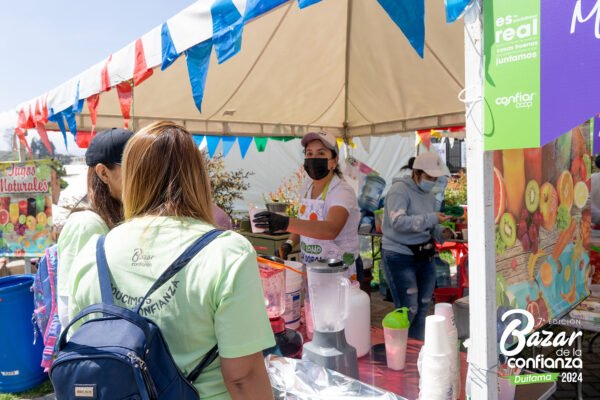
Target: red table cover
(406, 382)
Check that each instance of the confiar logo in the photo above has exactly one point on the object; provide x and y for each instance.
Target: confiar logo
(518, 100)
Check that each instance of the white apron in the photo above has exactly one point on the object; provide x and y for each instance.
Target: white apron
(315, 249)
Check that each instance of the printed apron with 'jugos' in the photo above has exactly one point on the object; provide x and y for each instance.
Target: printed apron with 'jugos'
(315, 249)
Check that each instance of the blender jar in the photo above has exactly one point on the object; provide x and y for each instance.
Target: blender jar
(273, 284)
(329, 294)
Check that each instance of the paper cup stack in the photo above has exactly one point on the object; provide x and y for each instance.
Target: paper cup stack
(445, 310)
(435, 361)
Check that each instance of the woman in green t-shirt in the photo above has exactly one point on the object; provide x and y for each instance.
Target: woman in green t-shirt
(105, 210)
(216, 299)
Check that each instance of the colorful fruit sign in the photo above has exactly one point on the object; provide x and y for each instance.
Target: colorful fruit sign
(541, 67)
(25, 208)
(542, 216)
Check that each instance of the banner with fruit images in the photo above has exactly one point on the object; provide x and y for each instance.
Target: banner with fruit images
(25, 208)
(542, 216)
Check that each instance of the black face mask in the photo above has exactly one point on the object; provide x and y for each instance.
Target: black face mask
(316, 168)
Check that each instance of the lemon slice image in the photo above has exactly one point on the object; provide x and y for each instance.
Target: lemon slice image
(580, 194)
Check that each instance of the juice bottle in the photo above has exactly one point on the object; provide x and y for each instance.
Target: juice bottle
(13, 213)
(23, 207)
(4, 203)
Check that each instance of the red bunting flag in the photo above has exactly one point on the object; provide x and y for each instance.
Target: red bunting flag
(22, 129)
(83, 139)
(41, 128)
(22, 120)
(125, 92)
(45, 110)
(30, 124)
(425, 137)
(92, 103)
(141, 72)
(104, 77)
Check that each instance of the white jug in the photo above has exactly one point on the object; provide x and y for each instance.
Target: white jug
(358, 324)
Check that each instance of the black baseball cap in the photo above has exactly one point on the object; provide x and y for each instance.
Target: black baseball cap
(107, 147)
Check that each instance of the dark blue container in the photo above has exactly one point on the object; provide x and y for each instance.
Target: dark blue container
(19, 358)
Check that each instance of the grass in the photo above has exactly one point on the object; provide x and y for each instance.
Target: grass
(38, 391)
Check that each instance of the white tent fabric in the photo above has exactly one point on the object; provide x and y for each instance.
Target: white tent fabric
(341, 65)
(280, 160)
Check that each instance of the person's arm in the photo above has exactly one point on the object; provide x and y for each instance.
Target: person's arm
(239, 302)
(246, 377)
(286, 248)
(294, 238)
(324, 230)
(396, 206)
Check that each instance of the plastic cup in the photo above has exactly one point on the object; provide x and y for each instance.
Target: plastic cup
(506, 390)
(435, 377)
(445, 310)
(435, 335)
(253, 212)
(465, 234)
(395, 347)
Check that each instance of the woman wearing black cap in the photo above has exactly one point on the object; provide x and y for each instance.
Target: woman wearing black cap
(105, 210)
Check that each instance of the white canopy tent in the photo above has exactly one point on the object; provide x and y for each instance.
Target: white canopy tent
(342, 65)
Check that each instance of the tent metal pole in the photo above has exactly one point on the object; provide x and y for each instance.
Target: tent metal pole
(347, 69)
(132, 113)
(483, 354)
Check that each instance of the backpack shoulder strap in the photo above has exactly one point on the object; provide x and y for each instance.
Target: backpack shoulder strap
(103, 273)
(206, 361)
(181, 262)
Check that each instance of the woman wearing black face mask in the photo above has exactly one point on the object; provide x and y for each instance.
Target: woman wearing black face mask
(328, 217)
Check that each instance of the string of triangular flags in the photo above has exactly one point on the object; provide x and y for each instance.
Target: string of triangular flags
(424, 136)
(410, 17)
(228, 24)
(244, 142)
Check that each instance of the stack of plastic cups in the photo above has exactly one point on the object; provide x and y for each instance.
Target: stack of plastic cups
(435, 361)
(445, 310)
(467, 344)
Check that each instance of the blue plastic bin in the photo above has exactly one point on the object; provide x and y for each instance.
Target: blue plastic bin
(19, 358)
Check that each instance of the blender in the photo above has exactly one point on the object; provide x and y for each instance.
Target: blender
(329, 292)
(288, 343)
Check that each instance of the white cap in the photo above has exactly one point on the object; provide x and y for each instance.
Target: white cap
(431, 163)
(326, 138)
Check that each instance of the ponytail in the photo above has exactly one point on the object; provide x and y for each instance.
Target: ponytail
(409, 165)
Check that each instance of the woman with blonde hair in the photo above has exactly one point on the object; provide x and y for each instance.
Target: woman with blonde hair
(215, 299)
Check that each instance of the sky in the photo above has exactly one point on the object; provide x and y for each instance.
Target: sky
(45, 43)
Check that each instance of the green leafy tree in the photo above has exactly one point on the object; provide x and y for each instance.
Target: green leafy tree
(39, 150)
(227, 186)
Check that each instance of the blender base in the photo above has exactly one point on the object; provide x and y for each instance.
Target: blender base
(330, 350)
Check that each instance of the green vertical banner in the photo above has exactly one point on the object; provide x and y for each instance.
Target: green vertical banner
(512, 74)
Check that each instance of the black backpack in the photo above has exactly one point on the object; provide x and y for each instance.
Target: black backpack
(121, 354)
